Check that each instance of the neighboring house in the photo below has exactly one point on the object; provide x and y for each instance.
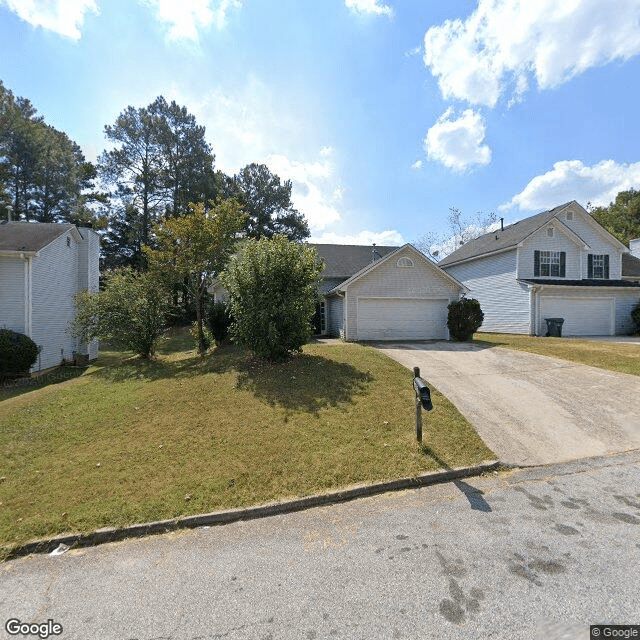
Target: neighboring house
(631, 262)
(381, 293)
(42, 267)
(557, 264)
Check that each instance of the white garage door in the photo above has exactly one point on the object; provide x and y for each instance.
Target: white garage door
(401, 319)
(582, 317)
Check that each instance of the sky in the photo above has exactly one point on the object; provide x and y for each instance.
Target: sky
(382, 113)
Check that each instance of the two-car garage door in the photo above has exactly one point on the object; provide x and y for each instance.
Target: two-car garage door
(582, 316)
(401, 319)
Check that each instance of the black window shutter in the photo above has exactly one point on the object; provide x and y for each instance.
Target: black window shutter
(606, 267)
(536, 264)
(563, 263)
(590, 266)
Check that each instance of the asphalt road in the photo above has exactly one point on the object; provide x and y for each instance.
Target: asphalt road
(530, 409)
(538, 553)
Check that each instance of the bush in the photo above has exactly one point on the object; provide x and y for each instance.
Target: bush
(635, 316)
(273, 287)
(464, 319)
(219, 319)
(130, 312)
(18, 353)
(207, 336)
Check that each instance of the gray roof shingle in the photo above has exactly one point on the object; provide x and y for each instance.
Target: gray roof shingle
(510, 236)
(28, 236)
(630, 266)
(344, 260)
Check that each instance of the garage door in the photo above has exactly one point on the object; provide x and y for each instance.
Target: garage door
(582, 317)
(401, 319)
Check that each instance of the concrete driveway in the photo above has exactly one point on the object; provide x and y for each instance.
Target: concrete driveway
(529, 409)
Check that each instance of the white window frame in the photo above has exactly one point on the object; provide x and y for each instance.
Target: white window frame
(598, 264)
(550, 263)
(404, 262)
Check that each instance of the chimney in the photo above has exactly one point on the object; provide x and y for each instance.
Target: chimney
(501, 224)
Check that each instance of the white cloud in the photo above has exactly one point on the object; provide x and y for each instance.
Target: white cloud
(572, 180)
(457, 142)
(186, 18)
(388, 238)
(64, 17)
(417, 165)
(312, 185)
(504, 43)
(369, 7)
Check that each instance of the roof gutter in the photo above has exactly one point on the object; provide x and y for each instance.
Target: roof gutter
(512, 247)
(18, 253)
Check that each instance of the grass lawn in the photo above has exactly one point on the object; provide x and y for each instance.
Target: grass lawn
(624, 358)
(131, 441)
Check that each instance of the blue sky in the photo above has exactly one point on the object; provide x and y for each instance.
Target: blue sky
(383, 113)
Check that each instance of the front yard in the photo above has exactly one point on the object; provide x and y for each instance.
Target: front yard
(130, 441)
(624, 358)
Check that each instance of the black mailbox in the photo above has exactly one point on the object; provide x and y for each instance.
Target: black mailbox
(422, 392)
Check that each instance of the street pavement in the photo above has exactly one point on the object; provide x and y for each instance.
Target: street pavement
(532, 553)
(530, 409)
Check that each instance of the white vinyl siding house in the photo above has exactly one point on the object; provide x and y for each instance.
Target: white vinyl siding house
(503, 300)
(42, 267)
(557, 264)
(381, 293)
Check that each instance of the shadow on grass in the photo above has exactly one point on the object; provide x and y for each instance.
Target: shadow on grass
(304, 382)
(473, 495)
(13, 388)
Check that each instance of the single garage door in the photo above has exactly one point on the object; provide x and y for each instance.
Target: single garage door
(401, 319)
(582, 317)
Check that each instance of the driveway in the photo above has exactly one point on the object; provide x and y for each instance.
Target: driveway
(529, 409)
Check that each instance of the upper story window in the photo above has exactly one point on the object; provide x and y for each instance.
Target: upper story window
(550, 264)
(405, 262)
(598, 266)
(550, 232)
(569, 215)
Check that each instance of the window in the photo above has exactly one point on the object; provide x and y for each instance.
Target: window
(549, 264)
(550, 232)
(569, 215)
(598, 266)
(405, 262)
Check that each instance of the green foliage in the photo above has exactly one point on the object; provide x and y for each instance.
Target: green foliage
(42, 170)
(194, 248)
(267, 202)
(219, 318)
(622, 217)
(130, 312)
(18, 353)
(635, 316)
(464, 319)
(272, 289)
(207, 336)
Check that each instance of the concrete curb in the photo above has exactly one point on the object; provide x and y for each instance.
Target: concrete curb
(111, 534)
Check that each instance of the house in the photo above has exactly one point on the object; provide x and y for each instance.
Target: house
(557, 264)
(631, 262)
(381, 293)
(42, 267)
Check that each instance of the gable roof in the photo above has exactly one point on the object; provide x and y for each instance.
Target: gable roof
(370, 267)
(513, 234)
(16, 237)
(343, 260)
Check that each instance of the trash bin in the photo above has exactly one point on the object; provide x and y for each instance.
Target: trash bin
(554, 327)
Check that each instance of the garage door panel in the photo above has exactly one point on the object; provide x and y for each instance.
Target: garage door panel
(401, 319)
(582, 317)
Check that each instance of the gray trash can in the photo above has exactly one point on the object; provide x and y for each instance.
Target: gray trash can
(554, 327)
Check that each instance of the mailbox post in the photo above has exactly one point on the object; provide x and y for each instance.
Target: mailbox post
(423, 400)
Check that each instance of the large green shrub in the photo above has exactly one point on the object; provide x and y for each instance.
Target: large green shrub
(18, 353)
(464, 319)
(131, 312)
(635, 316)
(272, 289)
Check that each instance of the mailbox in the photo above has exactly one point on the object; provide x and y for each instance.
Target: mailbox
(423, 393)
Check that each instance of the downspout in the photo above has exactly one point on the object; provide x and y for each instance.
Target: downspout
(27, 294)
